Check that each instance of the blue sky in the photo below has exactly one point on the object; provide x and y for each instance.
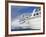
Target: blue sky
(18, 10)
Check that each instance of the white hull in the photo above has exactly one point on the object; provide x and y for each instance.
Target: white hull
(33, 23)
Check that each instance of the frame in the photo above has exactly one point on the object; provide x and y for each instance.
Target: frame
(31, 17)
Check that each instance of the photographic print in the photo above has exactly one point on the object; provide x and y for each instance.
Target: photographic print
(25, 18)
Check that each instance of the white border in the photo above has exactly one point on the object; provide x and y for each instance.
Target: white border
(23, 32)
